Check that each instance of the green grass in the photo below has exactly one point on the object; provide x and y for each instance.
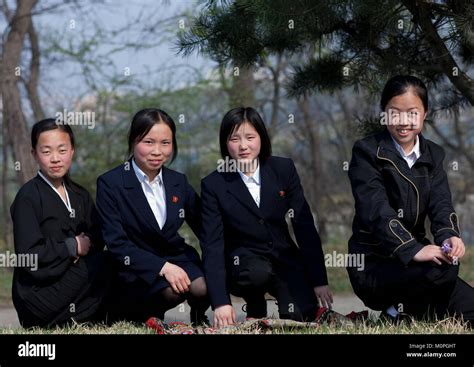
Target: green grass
(6, 277)
(371, 326)
(117, 328)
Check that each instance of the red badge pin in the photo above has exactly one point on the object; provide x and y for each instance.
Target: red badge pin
(174, 199)
(281, 193)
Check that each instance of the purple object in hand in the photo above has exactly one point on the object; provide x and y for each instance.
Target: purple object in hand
(446, 248)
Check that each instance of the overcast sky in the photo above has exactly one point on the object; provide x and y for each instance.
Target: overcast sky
(158, 66)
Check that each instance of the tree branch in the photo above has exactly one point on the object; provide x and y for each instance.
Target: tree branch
(421, 10)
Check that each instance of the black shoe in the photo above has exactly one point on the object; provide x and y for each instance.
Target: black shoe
(199, 318)
(255, 310)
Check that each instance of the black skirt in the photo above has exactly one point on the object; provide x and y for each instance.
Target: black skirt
(77, 295)
(138, 300)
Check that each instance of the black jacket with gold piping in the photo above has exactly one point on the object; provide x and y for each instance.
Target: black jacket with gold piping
(392, 200)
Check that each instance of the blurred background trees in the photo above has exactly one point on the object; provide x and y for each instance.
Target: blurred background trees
(313, 69)
(333, 58)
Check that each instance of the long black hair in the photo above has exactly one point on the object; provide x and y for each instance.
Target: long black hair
(142, 123)
(232, 121)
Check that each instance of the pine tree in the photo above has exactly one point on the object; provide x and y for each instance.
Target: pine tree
(358, 43)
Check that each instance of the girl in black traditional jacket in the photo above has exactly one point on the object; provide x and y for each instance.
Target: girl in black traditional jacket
(55, 225)
(398, 180)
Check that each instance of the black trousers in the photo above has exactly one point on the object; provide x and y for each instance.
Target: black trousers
(251, 276)
(420, 289)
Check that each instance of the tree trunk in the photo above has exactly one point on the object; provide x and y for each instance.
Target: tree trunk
(6, 228)
(242, 92)
(13, 117)
(316, 194)
(32, 82)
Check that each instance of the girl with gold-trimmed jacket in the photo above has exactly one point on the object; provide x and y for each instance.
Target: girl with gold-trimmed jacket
(398, 180)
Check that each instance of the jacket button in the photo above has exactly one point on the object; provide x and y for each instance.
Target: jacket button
(261, 221)
(270, 243)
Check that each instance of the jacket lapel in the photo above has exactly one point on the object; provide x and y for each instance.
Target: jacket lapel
(75, 200)
(388, 151)
(237, 188)
(137, 196)
(269, 189)
(425, 156)
(173, 198)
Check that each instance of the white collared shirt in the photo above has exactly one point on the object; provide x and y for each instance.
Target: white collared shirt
(411, 157)
(253, 184)
(67, 202)
(154, 192)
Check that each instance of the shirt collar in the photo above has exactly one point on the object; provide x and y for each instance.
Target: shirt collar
(255, 176)
(66, 202)
(415, 150)
(47, 180)
(143, 177)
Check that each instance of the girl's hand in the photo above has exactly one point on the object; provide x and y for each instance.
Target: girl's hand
(83, 244)
(431, 253)
(224, 316)
(324, 296)
(176, 276)
(457, 247)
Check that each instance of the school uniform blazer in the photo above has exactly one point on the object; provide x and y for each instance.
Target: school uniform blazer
(231, 220)
(43, 227)
(392, 200)
(129, 227)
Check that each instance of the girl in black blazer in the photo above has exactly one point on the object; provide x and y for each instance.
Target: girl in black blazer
(55, 226)
(398, 180)
(247, 248)
(142, 205)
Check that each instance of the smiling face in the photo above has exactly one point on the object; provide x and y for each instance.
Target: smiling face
(244, 145)
(154, 149)
(54, 153)
(406, 115)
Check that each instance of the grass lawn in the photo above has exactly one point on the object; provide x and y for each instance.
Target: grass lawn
(371, 326)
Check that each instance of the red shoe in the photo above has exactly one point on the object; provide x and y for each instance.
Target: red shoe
(329, 317)
(322, 314)
(156, 324)
(358, 316)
